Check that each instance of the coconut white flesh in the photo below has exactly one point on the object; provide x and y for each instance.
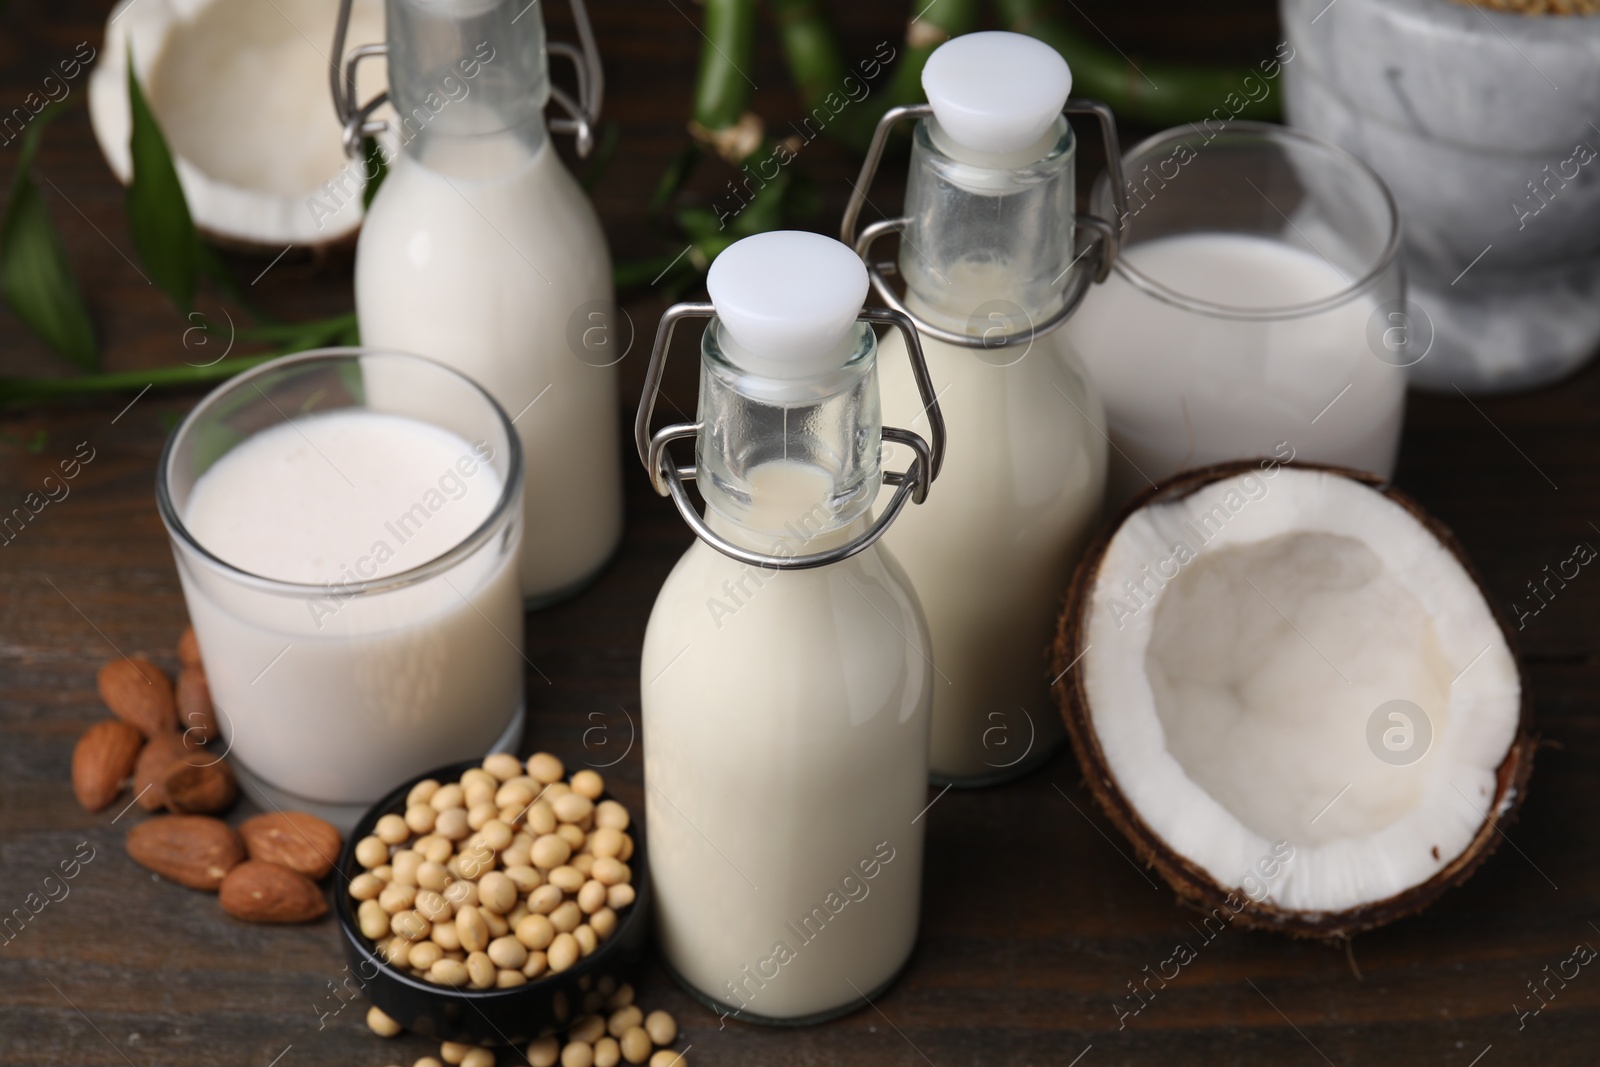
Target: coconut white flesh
(1239, 642)
(240, 88)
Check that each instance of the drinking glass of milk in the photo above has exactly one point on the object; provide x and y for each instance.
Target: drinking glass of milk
(346, 525)
(1256, 307)
(787, 672)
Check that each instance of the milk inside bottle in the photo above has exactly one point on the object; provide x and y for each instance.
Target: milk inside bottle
(481, 251)
(786, 677)
(987, 248)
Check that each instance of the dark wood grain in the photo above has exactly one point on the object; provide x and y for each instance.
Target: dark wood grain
(1034, 919)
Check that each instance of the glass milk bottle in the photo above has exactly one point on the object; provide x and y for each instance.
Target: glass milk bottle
(987, 255)
(786, 679)
(481, 251)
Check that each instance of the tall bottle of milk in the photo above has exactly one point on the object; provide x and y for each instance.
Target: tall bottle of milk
(985, 250)
(481, 251)
(786, 678)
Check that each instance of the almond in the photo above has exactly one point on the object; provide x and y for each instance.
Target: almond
(188, 648)
(155, 760)
(292, 839)
(192, 850)
(261, 892)
(196, 717)
(102, 760)
(200, 788)
(139, 692)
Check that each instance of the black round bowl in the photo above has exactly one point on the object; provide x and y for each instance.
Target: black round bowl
(490, 1016)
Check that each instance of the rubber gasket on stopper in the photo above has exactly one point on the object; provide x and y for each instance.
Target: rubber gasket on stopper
(789, 301)
(996, 92)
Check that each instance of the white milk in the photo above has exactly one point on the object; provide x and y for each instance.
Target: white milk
(1183, 389)
(338, 699)
(785, 719)
(499, 277)
(991, 550)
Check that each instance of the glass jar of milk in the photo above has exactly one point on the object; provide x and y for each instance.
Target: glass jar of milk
(990, 268)
(481, 251)
(1257, 308)
(346, 526)
(787, 676)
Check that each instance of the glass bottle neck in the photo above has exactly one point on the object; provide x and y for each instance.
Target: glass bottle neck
(469, 80)
(987, 235)
(788, 461)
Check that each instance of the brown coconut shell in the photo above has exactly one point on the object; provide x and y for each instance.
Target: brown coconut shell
(1193, 884)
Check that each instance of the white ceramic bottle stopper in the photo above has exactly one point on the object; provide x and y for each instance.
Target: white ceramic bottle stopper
(995, 94)
(788, 301)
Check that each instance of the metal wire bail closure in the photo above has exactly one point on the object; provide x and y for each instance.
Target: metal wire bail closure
(1103, 243)
(583, 114)
(668, 477)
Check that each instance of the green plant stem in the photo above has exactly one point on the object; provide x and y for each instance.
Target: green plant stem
(17, 389)
(816, 63)
(811, 47)
(287, 338)
(722, 86)
(1154, 92)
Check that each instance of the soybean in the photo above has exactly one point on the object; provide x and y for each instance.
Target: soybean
(588, 1029)
(563, 952)
(545, 768)
(662, 1028)
(391, 829)
(448, 972)
(471, 929)
(544, 1052)
(635, 1044)
(381, 1024)
(371, 852)
(481, 970)
(508, 952)
(502, 766)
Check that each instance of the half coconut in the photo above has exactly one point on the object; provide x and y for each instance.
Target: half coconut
(1289, 692)
(240, 89)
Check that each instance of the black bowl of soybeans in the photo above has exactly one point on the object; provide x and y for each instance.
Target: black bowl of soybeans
(495, 928)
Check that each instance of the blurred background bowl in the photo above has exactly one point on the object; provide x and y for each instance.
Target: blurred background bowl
(1477, 121)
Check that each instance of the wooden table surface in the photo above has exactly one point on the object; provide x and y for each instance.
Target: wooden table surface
(1034, 919)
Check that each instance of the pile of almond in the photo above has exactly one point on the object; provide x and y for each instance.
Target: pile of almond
(264, 872)
(164, 737)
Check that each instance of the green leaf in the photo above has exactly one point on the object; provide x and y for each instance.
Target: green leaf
(158, 214)
(375, 167)
(605, 151)
(35, 276)
(673, 179)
